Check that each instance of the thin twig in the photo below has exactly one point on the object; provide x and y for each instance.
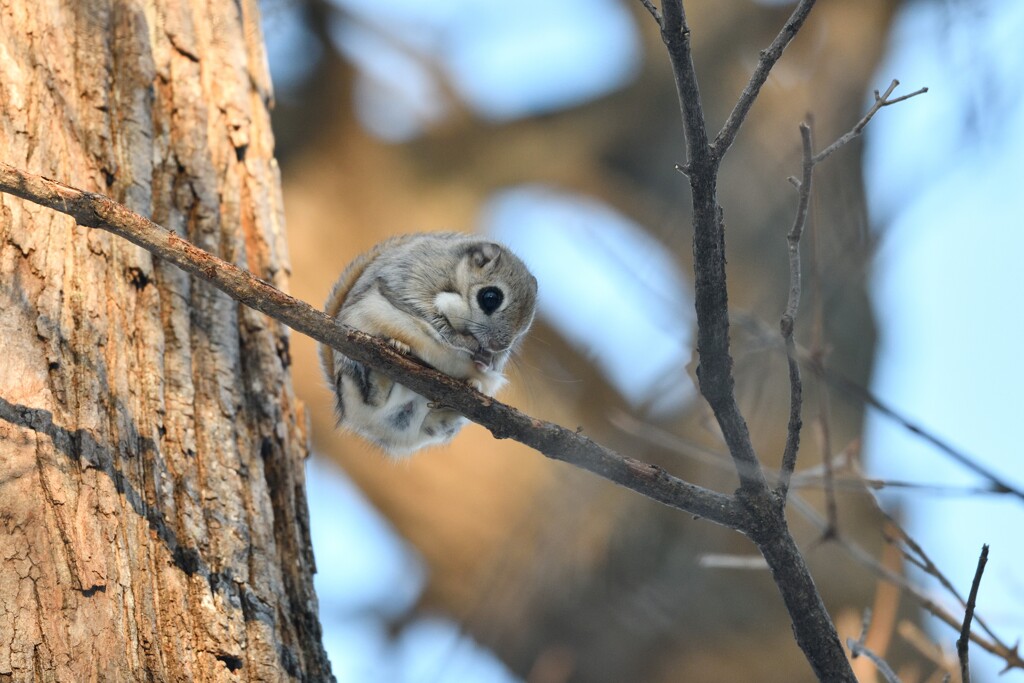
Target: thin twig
(858, 648)
(789, 317)
(964, 640)
(853, 480)
(916, 555)
(96, 211)
(649, 6)
(810, 160)
(896, 100)
(1010, 655)
(856, 483)
(655, 436)
(765, 63)
(864, 394)
(766, 336)
(919, 558)
(880, 101)
(814, 631)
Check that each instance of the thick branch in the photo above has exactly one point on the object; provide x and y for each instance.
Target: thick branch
(96, 211)
(676, 34)
(812, 626)
(714, 373)
(810, 160)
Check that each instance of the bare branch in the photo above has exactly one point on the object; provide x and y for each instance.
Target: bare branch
(813, 628)
(999, 484)
(1010, 655)
(765, 63)
(789, 317)
(919, 91)
(96, 211)
(858, 648)
(652, 434)
(856, 483)
(916, 555)
(963, 641)
(853, 480)
(649, 6)
(763, 332)
(880, 101)
(810, 160)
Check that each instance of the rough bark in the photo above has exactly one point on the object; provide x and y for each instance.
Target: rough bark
(154, 525)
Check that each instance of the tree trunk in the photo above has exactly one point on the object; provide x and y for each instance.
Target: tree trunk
(153, 521)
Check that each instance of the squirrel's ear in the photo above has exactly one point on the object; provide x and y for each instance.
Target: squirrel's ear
(483, 253)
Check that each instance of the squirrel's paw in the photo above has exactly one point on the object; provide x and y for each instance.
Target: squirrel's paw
(400, 346)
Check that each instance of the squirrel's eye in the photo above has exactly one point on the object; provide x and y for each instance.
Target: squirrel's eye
(490, 299)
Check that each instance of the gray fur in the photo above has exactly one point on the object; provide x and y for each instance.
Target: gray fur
(405, 276)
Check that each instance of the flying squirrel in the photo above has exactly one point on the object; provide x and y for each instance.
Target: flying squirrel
(459, 303)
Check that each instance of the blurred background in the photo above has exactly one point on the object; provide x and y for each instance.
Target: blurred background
(555, 128)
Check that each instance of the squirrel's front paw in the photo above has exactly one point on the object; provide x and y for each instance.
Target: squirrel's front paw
(487, 383)
(400, 346)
